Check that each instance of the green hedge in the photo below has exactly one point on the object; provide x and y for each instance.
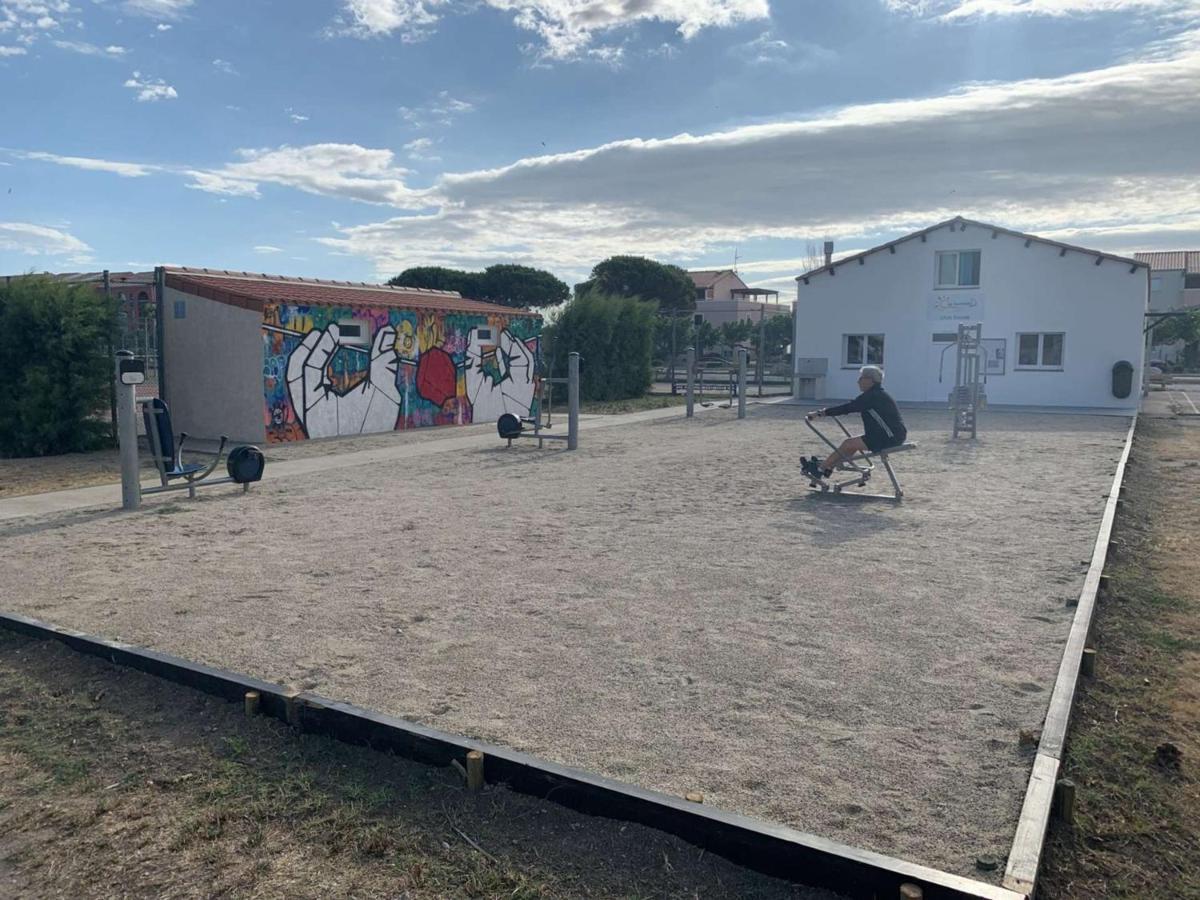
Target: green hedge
(54, 384)
(614, 336)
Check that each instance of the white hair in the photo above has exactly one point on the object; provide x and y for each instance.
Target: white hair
(873, 372)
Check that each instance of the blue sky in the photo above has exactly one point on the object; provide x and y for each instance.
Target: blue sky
(350, 139)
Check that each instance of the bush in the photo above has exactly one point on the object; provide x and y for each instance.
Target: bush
(54, 385)
(614, 337)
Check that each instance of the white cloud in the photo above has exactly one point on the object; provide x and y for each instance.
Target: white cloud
(225, 66)
(1040, 155)
(421, 149)
(296, 117)
(158, 9)
(441, 110)
(267, 248)
(339, 170)
(124, 169)
(795, 56)
(964, 9)
(12, 51)
(162, 27)
(377, 18)
(86, 49)
(151, 90)
(566, 27)
(32, 16)
(39, 240)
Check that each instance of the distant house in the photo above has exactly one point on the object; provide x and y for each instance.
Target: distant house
(1062, 325)
(722, 296)
(1174, 278)
(1174, 285)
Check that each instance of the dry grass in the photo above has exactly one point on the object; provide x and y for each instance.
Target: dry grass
(1137, 829)
(120, 785)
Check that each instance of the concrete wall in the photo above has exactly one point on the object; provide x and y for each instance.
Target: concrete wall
(214, 367)
(1166, 290)
(1100, 309)
(718, 312)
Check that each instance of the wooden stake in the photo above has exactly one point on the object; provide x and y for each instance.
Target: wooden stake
(911, 892)
(1064, 800)
(475, 770)
(1104, 585)
(291, 705)
(694, 797)
(252, 703)
(1087, 665)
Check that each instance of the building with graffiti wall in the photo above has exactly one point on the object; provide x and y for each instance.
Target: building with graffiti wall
(264, 358)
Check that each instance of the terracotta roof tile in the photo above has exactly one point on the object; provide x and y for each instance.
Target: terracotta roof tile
(253, 291)
(1188, 260)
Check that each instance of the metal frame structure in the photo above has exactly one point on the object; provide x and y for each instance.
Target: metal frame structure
(861, 465)
(511, 427)
(969, 376)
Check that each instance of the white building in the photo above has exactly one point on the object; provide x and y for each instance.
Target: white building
(1056, 318)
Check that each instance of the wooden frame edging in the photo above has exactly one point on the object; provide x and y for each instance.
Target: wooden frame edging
(771, 849)
(1025, 857)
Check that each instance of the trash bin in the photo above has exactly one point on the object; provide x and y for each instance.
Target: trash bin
(245, 464)
(1122, 379)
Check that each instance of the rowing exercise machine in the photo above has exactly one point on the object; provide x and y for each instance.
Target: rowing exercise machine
(861, 466)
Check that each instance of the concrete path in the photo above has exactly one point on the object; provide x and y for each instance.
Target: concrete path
(110, 494)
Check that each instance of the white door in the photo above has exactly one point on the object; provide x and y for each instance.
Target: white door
(942, 358)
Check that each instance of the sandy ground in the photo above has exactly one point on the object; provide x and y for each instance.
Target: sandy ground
(669, 606)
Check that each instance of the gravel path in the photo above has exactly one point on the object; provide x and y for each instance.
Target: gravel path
(669, 606)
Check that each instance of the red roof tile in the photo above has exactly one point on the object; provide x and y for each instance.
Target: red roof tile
(251, 291)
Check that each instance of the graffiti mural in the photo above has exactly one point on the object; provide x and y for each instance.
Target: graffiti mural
(340, 370)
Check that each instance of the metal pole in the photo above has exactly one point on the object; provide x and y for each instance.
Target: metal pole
(573, 401)
(741, 382)
(674, 322)
(691, 381)
(160, 301)
(112, 390)
(131, 489)
(762, 343)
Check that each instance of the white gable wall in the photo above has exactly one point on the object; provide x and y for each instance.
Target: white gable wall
(1022, 289)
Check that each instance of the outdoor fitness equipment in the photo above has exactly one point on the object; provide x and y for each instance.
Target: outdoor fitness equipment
(861, 466)
(969, 372)
(245, 463)
(510, 427)
(736, 376)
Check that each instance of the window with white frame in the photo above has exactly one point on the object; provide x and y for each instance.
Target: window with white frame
(862, 350)
(1040, 350)
(958, 268)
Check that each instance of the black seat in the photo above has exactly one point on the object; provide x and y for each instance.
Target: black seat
(165, 450)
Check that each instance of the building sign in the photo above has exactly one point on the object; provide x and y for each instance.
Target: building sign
(956, 306)
(994, 355)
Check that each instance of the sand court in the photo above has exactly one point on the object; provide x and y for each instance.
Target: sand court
(670, 606)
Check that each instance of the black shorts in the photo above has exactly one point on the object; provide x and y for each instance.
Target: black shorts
(877, 444)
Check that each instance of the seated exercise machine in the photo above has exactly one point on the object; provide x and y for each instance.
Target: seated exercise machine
(244, 464)
(511, 426)
(860, 467)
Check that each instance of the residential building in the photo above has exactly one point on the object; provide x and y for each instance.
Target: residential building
(722, 296)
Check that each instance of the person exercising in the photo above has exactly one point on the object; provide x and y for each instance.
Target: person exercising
(882, 425)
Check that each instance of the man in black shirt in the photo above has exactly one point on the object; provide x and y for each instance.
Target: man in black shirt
(882, 425)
